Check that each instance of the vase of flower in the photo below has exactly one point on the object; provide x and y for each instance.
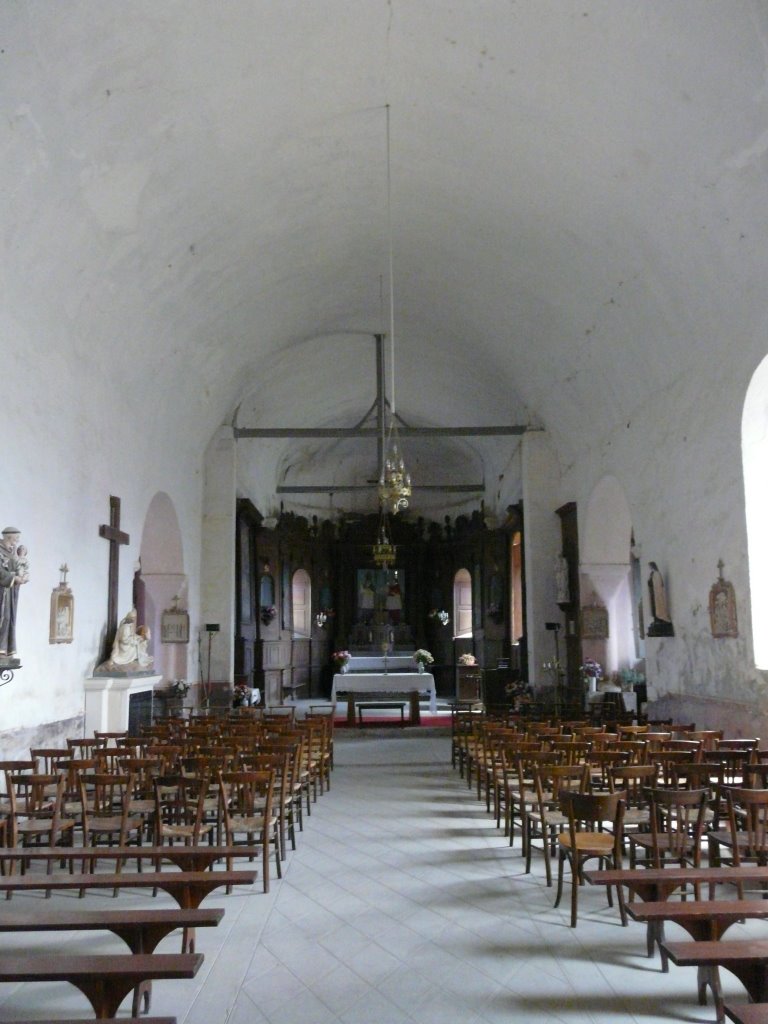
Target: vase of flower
(341, 661)
(422, 658)
(420, 668)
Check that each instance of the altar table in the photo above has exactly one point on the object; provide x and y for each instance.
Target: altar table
(377, 663)
(391, 682)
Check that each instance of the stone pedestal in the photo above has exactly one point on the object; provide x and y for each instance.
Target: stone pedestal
(107, 699)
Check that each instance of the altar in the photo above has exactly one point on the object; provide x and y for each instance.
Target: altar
(381, 663)
(390, 682)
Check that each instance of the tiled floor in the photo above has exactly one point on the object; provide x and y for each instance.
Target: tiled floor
(402, 903)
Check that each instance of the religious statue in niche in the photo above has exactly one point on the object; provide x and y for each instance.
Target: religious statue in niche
(62, 611)
(722, 606)
(130, 655)
(14, 571)
(661, 624)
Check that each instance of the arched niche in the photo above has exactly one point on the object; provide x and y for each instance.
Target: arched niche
(606, 575)
(754, 452)
(163, 579)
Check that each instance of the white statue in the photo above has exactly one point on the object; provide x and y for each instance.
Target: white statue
(130, 648)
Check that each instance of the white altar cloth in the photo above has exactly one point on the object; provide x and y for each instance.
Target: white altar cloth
(392, 682)
(375, 663)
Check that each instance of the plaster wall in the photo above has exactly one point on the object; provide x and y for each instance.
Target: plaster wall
(541, 478)
(678, 460)
(73, 437)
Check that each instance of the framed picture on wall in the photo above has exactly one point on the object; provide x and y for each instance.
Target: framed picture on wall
(174, 626)
(594, 622)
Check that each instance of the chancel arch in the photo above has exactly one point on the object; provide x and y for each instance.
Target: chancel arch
(163, 581)
(606, 575)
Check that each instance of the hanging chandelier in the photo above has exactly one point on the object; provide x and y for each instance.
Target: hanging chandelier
(384, 552)
(394, 480)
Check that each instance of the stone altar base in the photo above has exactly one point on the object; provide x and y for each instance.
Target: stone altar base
(107, 700)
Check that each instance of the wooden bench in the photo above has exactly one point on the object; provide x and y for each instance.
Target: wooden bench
(656, 885)
(105, 981)
(189, 858)
(747, 1013)
(89, 1020)
(414, 713)
(141, 930)
(748, 960)
(188, 888)
(382, 705)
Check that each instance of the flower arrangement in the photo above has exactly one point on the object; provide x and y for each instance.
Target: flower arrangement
(467, 659)
(422, 657)
(630, 678)
(340, 658)
(241, 695)
(179, 688)
(268, 612)
(591, 668)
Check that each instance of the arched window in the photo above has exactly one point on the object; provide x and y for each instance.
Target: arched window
(754, 453)
(462, 603)
(301, 601)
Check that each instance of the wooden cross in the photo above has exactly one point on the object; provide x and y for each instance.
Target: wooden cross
(116, 537)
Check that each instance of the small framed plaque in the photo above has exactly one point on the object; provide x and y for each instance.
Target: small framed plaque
(594, 622)
(174, 626)
(62, 612)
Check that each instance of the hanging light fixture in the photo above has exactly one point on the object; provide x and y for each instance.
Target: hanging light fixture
(394, 480)
(384, 552)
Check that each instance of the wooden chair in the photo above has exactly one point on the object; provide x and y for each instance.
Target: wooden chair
(587, 839)
(635, 781)
(107, 815)
(246, 805)
(747, 835)
(544, 820)
(180, 810)
(677, 826)
(35, 812)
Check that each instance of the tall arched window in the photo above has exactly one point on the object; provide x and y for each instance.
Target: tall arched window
(301, 601)
(754, 452)
(462, 603)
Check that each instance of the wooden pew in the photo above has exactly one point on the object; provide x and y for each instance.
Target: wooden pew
(656, 885)
(89, 1020)
(105, 981)
(748, 960)
(188, 888)
(747, 1013)
(141, 930)
(704, 920)
(188, 858)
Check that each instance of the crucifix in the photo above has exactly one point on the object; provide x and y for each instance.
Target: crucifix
(116, 537)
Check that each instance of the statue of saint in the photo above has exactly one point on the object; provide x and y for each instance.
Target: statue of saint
(662, 620)
(14, 571)
(130, 652)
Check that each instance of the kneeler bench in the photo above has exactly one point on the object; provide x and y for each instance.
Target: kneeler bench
(380, 705)
(89, 1020)
(105, 981)
(141, 930)
(414, 713)
(747, 1013)
(747, 959)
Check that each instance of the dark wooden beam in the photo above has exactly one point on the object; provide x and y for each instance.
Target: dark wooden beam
(345, 488)
(362, 432)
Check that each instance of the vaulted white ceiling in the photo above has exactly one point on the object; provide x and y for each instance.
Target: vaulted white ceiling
(195, 204)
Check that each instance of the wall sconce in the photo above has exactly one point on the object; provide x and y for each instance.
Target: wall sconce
(321, 618)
